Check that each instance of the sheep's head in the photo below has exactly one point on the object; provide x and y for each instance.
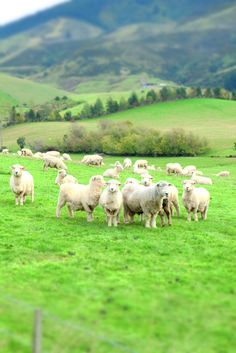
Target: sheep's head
(131, 181)
(98, 180)
(189, 185)
(146, 180)
(62, 173)
(113, 185)
(17, 170)
(163, 188)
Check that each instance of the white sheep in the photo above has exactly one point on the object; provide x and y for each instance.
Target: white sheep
(141, 163)
(39, 155)
(94, 159)
(127, 163)
(224, 173)
(131, 181)
(201, 179)
(188, 170)
(173, 168)
(80, 197)
(113, 173)
(5, 151)
(63, 178)
(146, 179)
(151, 167)
(139, 199)
(26, 152)
(19, 153)
(53, 162)
(21, 184)
(139, 171)
(173, 199)
(53, 153)
(195, 200)
(111, 200)
(66, 157)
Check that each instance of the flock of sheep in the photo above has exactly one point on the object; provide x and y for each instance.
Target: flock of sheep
(144, 198)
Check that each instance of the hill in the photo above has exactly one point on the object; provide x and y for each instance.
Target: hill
(211, 118)
(92, 46)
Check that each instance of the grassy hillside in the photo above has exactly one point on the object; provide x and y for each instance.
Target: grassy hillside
(165, 290)
(211, 118)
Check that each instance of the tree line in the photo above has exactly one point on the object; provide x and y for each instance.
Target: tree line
(51, 112)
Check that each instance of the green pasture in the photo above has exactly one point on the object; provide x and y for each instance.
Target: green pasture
(130, 289)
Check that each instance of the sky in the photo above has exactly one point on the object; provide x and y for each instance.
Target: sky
(12, 10)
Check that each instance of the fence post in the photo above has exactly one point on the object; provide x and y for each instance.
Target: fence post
(37, 331)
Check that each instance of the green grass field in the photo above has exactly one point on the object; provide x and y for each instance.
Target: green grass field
(211, 118)
(166, 290)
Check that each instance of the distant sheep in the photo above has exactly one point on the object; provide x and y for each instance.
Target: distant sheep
(26, 152)
(111, 200)
(63, 178)
(201, 180)
(174, 168)
(224, 173)
(195, 200)
(80, 197)
(5, 151)
(21, 184)
(146, 180)
(188, 170)
(39, 155)
(141, 163)
(53, 162)
(140, 171)
(93, 160)
(53, 153)
(66, 157)
(113, 173)
(127, 163)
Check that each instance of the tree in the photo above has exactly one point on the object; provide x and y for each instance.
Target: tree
(112, 106)
(151, 96)
(98, 108)
(13, 115)
(217, 92)
(208, 93)
(164, 94)
(133, 100)
(86, 112)
(21, 142)
(68, 116)
(181, 93)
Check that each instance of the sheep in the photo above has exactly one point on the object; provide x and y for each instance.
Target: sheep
(113, 173)
(39, 155)
(141, 163)
(118, 164)
(63, 178)
(53, 162)
(21, 184)
(146, 179)
(225, 173)
(93, 160)
(195, 200)
(5, 151)
(189, 170)
(111, 200)
(151, 167)
(140, 171)
(141, 199)
(80, 197)
(173, 168)
(127, 163)
(66, 157)
(131, 181)
(26, 152)
(174, 199)
(19, 153)
(201, 180)
(53, 153)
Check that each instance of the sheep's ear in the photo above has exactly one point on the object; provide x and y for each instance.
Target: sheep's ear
(94, 178)
(22, 167)
(119, 184)
(169, 184)
(151, 177)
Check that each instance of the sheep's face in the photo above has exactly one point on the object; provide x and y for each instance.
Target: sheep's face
(188, 185)
(163, 188)
(113, 186)
(62, 173)
(17, 170)
(98, 180)
(147, 180)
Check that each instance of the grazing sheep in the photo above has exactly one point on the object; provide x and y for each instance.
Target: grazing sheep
(80, 197)
(195, 200)
(187, 171)
(174, 168)
(53, 162)
(201, 180)
(93, 160)
(111, 200)
(53, 153)
(5, 151)
(113, 173)
(19, 153)
(127, 163)
(66, 157)
(63, 178)
(173, 199)
(39, 155)
(198, 172)
(21, 184)
(140, 171)
(225, 173)
(141, 163)
(26, 152)
(147, 200)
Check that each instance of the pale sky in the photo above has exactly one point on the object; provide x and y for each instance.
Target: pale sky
(15, 9)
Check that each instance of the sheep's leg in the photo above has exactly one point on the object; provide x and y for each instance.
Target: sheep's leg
(116, 218)
(168, 213)
(148, 220)
(60, 204)
(141, 217)
(176, 205)
(131, 215)
(161, 214)
(24, 198)
(109, 220)
(195, 215)
(90, 216)
(21, 199)
(189, 216)
(204, 213)
(126, 215)
(17, 200)
(70, 211)
(153, 220)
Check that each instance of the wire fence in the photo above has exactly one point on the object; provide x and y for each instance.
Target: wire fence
(25, 328)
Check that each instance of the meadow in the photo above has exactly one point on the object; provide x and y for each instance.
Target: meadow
(210, 118)
(167, 290)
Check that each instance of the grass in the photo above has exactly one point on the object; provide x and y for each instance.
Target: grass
(165, 290)
(211, 118)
